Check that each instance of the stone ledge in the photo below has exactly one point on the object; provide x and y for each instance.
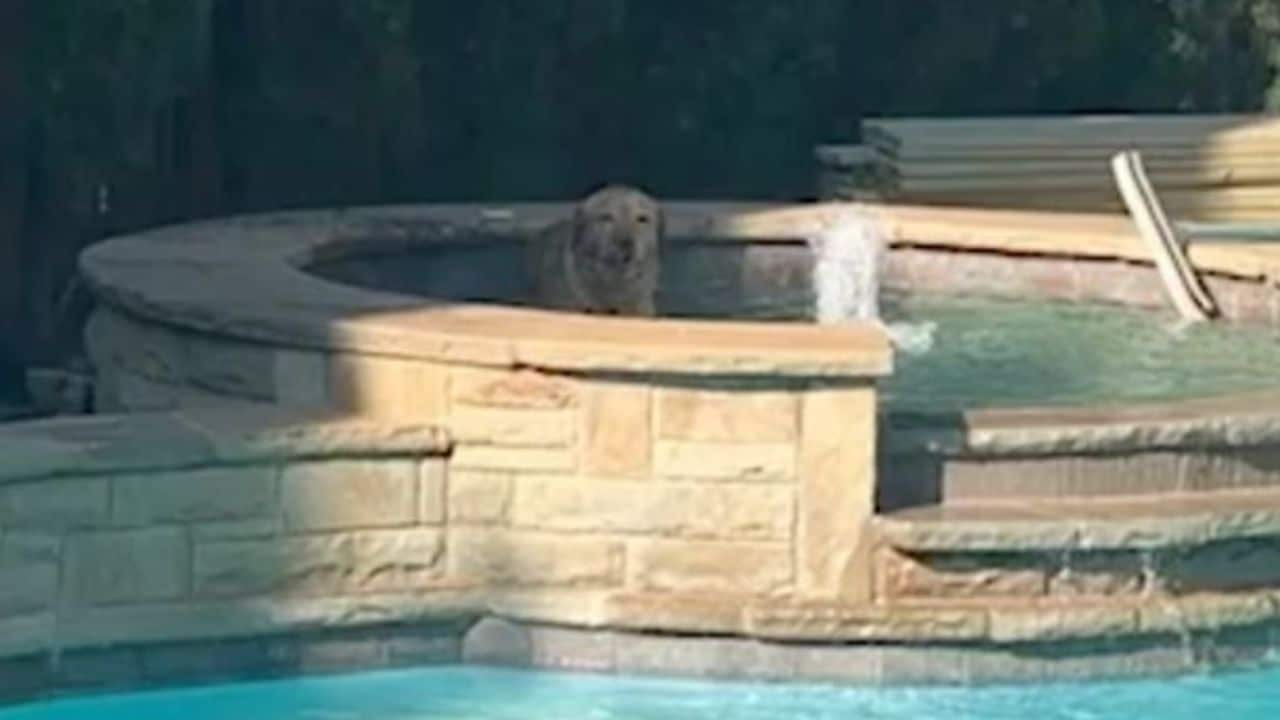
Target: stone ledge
(1217, 422)
(105, 444)
(186, 275)
(1011, 627)
(1133, 523)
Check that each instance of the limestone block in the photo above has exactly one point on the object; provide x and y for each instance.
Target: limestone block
(1063, 621)
(709, 567)
(206, 495)
(370, 561)
(479, 498)
(347, 494)
(528, 460)
(837, 493)
(617, 433)
(387, 388)
(128, 566)
(830, 622)
(496, 387)
(55, 503)
(772, 462)
(694, 510)
(433, 491)
(503, 557)
(727, 416)
(512, 427)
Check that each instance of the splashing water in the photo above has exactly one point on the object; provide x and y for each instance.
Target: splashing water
(849, 253)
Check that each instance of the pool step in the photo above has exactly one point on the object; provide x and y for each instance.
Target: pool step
(1079, 549)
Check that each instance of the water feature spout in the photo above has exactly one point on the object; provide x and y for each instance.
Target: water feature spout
(849, 253)
(848, 257)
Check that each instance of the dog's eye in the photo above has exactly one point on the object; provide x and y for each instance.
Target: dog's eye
(643, 219)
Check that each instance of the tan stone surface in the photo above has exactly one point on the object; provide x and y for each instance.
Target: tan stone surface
(899, 575)
(836, 493)
(370, 561)
(699, 613)
(433, 491)
(387, 388)
(1063, 620)
(479, 498)
(127, 566)
(617, 430)
(512, 427)
(217, 494)
(55, 503)
(529, 460)
(691, 510)
(550, 606)
(504, 557)
(259, 616)
(714, 567)
(727, 416)
(525, 389)
(1105, 523)
(774, 462)
(273, 433)
(828, 622)
(343, 494)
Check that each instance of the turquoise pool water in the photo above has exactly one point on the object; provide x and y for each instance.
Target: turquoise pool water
(980, 352)
(484, 694)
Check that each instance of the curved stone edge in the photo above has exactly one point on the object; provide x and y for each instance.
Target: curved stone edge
(242, 277)
(761, 619)
(495, 642)
(240, 434)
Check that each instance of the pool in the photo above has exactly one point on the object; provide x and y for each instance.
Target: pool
(977, 352)
(490, 694)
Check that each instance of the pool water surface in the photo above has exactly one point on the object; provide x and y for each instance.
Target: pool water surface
(457, 693)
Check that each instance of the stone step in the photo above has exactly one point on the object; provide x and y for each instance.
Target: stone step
(1172, 520)
(1080, 550)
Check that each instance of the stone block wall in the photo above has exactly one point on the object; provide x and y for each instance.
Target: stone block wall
(253, 522)
(511, 489)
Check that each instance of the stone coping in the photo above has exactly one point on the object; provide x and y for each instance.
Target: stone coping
(497, 643)
(245, 277)
(1238, 420)
(246, 433)
(924, 623)
(1062, 525)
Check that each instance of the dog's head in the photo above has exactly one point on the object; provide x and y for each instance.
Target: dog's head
(618, 229)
